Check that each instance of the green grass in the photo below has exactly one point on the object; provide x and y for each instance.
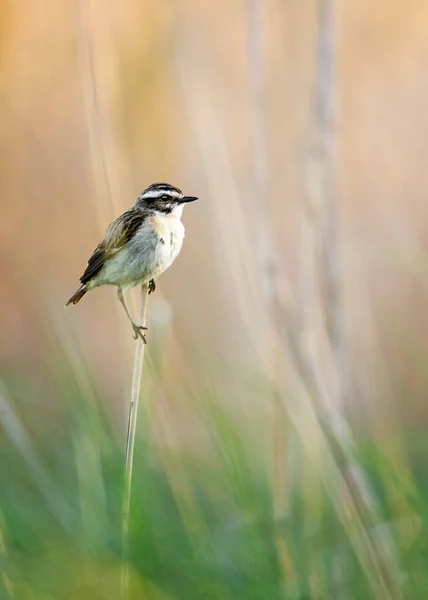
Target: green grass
(202, 524)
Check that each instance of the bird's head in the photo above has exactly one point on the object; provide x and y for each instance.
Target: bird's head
(163, 198)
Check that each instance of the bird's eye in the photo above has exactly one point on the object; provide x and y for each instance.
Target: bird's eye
(165, 197)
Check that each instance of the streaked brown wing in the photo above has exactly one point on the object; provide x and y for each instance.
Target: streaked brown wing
(117, 235)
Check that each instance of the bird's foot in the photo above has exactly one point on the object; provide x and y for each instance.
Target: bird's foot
(138, 333)
(152, 286)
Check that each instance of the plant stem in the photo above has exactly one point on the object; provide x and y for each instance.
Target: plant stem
(130, 443)
(323, 334)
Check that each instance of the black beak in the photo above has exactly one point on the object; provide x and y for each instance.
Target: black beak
(188, 199)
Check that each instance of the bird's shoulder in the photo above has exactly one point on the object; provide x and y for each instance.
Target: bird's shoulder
(123, 229)
(117, 235)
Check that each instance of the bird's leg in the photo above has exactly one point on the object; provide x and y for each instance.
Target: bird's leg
(137, 328)
(152, 286)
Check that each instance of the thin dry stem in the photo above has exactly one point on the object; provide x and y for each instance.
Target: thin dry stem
(130, 442)
(322, 347)
(265, 253)
(96, 125)
(234, 249)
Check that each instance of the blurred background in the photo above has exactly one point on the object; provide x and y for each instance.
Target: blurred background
(294, 314)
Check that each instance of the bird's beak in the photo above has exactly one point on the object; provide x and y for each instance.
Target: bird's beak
(188, 199)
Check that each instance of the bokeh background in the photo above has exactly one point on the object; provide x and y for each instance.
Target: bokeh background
(100, 99)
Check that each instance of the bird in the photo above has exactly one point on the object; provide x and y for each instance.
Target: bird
(138, 246)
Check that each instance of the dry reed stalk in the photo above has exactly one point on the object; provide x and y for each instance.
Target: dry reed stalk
(244, 263)
(305, 414)
(96, 124)
(234, 246)
(321, 350)
(328, 457)
(130, 443)
(267, 263)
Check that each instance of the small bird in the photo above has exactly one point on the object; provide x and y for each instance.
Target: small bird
(138, 246)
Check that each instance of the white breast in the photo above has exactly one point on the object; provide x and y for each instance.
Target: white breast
(155, 247)
(149, 253)
(170, 232)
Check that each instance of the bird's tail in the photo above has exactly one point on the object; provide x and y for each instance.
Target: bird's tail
(77, 295)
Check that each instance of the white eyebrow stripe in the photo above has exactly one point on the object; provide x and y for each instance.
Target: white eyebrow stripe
(159, 193)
